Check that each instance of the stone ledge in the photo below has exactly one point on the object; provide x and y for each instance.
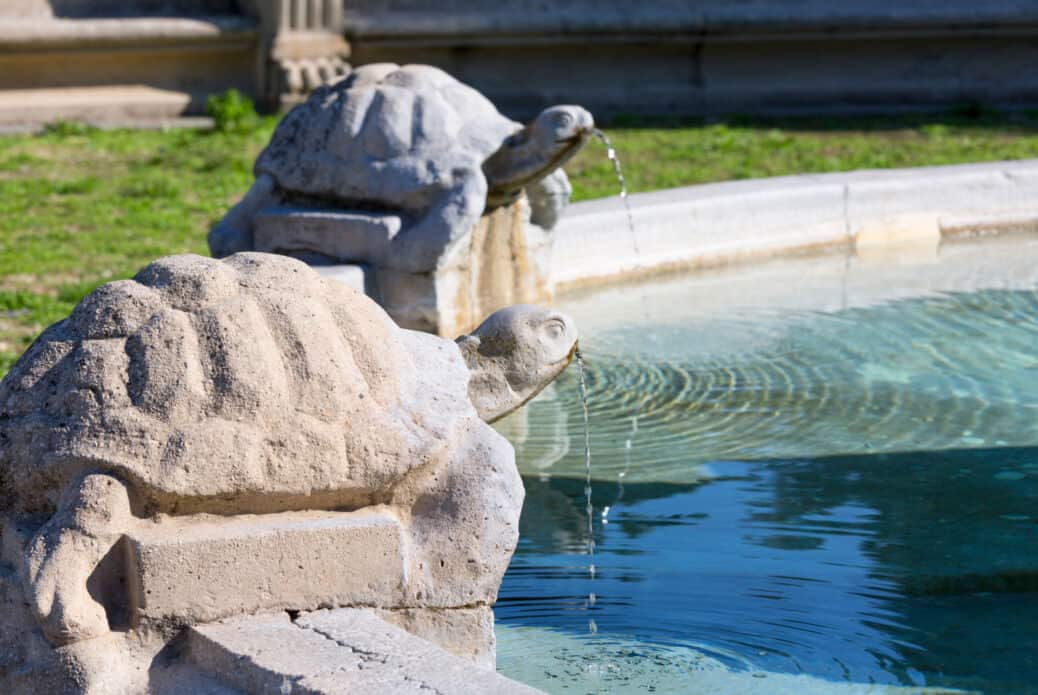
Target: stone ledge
(342, 236)
(333, 652)
(723, 223)
(37, 33)
(188, 569)
(137, 105)
(492, 22)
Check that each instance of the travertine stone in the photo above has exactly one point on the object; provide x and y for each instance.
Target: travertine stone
(337, 236)
(718, 224)
(191, 570)
(333, 652)
(505, 260)
(464, 632)
(511, 353)
(216, 437)
(442, 179)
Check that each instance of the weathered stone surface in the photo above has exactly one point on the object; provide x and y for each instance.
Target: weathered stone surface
(353, 276)
(503, 261)
(190, 570)
(337, 236)
(161, 444)
(332, 652)
(512, 354)
(411, 172)
(224, 386)
(411, 141)
(464, 632)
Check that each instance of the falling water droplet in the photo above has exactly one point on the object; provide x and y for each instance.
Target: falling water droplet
(591, 598)
(611, 153)
(588, 506)
(592, 627)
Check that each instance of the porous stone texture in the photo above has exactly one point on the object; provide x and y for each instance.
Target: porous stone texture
(718, 224)
(418, 176)
(213, 567)
(339, 236)
(513, 355)
(333, 652)
(216, 437)
(464, 632)
(504, 261)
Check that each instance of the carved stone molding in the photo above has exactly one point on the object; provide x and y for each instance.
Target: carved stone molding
(302, 47)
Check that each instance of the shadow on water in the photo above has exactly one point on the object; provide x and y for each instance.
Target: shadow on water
(909, 567)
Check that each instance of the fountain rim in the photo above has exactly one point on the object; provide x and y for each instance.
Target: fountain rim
(707, 226)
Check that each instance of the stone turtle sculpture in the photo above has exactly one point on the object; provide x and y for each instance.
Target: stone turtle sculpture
(251, 385)
(411, 141)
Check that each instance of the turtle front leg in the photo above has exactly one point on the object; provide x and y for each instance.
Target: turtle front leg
(91, 517)
(427, 244)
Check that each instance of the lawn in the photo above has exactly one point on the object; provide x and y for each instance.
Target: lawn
(79, 207)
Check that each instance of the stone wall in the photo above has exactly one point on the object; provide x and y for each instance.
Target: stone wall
(112, 62)
(714, 57)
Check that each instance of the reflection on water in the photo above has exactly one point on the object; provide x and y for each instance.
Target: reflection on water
(938, 372)
(848, 494)
(914, 568)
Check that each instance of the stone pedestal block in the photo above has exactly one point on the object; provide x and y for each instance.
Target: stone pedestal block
(336, 235)
(464, 632)
(198, 569)
(504, 260)
(332, 652)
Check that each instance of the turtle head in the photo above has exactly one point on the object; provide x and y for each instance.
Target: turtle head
(533, 152)
(563, 126)
(515, 353)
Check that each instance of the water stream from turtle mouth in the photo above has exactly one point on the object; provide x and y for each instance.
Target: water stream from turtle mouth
(611, 154)
(588, 507)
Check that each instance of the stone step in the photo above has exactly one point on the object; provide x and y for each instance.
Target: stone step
(200, 569)
(333, 653)
(121, 71)
(42, 33)
(109, 106)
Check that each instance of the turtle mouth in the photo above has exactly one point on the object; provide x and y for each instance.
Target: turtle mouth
(572, 353)
(581, 134)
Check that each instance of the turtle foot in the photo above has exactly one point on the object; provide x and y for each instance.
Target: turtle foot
(62, 556)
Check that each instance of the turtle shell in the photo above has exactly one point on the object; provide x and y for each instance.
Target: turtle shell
(247, 384)
(382, 135)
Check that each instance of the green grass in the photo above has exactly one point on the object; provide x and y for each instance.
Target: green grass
(79, 207)
(680, 154)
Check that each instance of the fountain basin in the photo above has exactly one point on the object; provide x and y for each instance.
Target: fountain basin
(812, 473)
(733, 222)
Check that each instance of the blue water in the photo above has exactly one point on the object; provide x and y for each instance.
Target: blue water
(848, 493)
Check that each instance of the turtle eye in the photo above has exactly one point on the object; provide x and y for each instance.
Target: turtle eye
(555, 328)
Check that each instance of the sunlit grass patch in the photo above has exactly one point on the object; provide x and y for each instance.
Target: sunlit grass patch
(81, 206)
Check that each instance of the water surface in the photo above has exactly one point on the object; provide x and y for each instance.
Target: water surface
(819, 468)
